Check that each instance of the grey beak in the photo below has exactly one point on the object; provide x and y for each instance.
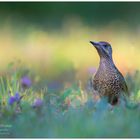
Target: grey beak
(94, 43)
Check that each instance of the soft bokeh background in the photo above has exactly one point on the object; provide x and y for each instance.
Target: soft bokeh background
(46, 62)
(53, 38)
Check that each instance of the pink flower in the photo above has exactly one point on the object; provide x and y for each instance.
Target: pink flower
(91, 70)
(26, 82)
(37, 102)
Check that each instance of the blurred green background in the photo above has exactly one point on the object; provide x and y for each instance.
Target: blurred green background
(52, 14)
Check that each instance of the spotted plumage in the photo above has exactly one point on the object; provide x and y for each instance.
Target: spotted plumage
(108, 81)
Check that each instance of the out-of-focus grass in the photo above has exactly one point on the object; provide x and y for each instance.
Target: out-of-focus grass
(68, 112)
(59, 102)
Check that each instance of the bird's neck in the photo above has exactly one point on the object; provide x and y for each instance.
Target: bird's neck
(106, 62)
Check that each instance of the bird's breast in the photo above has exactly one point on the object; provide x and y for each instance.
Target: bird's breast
(106, 82)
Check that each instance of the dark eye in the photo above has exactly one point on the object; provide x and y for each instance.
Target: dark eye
(105, 46)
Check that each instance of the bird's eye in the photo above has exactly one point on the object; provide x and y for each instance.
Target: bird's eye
(105, 46)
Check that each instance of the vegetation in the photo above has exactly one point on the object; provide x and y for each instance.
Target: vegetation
(65, 112)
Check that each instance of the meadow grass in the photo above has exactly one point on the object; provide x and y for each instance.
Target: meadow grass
(64, 112)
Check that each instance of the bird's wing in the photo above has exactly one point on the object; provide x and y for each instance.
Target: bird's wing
(124, 87)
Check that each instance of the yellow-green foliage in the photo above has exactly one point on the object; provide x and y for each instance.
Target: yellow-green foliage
(53, 51)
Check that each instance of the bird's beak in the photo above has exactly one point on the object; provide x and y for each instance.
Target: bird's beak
(95, 44)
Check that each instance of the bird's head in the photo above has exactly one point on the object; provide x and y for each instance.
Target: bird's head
(103, 48)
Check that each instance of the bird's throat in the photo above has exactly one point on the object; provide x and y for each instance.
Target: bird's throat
(106, 63)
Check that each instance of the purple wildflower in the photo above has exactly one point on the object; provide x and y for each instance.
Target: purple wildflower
(11, 100)
(38, 102)
(92, 70)
(17, 96)
(26, 82)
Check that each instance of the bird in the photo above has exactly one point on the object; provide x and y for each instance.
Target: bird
(108, 80)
